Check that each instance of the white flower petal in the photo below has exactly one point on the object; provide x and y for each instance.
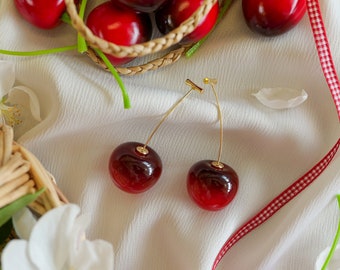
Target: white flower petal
(281, 98)
(78, 230)
(23, 223)
(7, 76)
(51, 236)
(93, 255)
(334, 263)
(14, 256)
(34, 105)
(58, 242)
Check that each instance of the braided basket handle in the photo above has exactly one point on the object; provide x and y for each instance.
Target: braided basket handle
(142, 49)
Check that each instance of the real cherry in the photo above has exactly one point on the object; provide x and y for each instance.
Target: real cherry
(41, 13)
(272, 17)
(142, 5)
(175, 12)
(120, 25)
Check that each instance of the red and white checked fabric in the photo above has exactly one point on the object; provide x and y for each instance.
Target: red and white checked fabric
(328, 68)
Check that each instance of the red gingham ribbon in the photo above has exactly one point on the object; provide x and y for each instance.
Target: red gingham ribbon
(324, 51)
(278, 202)
(299, 185)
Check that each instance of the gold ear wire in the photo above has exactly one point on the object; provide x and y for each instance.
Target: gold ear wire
(142, 149)
(212, 83)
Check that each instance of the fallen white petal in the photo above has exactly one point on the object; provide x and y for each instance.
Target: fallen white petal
(23, 223)
(14, 256)
(281, 98)
(334, 263)
(34, 105)
(7, 76)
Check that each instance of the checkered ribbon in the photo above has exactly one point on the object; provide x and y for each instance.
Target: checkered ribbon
(299, 185)
(324, 52)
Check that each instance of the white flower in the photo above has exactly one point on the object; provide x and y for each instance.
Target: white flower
(57, 242)
(281, 98)
(17, 103)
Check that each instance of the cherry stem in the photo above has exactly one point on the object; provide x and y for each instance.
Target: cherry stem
(39, 52)
(115, 74)
(335, 242)
(190, 52)
(82, 46)
(193, 87)
(212, 83)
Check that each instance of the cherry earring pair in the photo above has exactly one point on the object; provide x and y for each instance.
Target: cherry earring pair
(136, 167)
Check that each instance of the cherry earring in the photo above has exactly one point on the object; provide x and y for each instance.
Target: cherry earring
(210, 183)
(136, 167)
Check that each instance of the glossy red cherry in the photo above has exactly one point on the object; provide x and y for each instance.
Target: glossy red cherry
(174, 12)
(272, 17)
(120, 25)
(142, 5)
(41, 13)
(212, 185)
(133, 168)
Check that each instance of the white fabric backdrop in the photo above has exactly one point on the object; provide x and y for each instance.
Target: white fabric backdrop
(84, 120)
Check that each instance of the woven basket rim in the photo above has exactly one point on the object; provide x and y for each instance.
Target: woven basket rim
(22, 173)
(141, 49)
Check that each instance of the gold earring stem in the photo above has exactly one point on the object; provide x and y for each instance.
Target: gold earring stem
(142, 149)
(212, 82)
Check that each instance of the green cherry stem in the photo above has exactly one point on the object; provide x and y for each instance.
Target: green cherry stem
(82, 46)
(115, 74)
(335, 241)
(198, 44)
(39, 52)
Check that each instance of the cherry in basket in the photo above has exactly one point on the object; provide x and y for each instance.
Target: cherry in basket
(142, 5)
(175, 12)
(41, 13)
(272, 17)
(120, 25)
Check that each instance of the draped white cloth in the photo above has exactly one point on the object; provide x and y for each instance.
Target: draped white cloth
(84, 120)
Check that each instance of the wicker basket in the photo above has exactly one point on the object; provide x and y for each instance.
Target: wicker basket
(22, 173)
(168, 42)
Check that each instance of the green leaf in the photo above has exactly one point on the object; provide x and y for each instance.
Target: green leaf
(5, 231)
(8, 211)
(65, 18)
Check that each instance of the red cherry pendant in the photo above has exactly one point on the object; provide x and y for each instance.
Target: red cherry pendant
(134, 168)
(212, 185)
